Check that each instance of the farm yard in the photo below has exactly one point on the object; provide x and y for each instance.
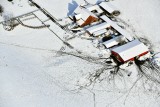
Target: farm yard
(79, 53)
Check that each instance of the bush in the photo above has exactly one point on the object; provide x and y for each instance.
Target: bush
(9, 22)
(1, 9)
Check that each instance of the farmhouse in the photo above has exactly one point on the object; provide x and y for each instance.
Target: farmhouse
(129, 51)
(84, 17)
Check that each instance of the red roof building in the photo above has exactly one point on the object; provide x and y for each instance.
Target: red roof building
(129, 51)
(84, 17)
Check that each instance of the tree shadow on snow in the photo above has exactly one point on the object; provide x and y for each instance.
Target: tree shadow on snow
(71, 7)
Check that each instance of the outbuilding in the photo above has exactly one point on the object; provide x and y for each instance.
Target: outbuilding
(99, 32)
(109, 8)
(113, 41)
(97, 27)
(129, 51)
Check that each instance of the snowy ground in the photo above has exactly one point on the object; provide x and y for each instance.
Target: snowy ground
(32, 74)
(143, 16)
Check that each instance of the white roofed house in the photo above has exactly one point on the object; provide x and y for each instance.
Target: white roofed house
(84, 17)
(129, 51)
(109, 8)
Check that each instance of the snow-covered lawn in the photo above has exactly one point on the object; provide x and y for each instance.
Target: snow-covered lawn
(33, 74)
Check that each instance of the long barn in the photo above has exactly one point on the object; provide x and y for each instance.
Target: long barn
(129, 51)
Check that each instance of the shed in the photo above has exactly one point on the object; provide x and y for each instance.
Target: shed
(99, 32)
(108, 7)
(85, 16)
(129, 51)
(116, 27)
(95, 28)
(114, 41)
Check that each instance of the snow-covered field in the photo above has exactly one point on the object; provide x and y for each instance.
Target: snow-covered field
(33, 74)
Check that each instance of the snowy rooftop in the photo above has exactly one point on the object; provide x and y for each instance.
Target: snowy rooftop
(131, 49)
(113, 41)
(95, 28)
(84, 13)
(99, 32)
(108, 7)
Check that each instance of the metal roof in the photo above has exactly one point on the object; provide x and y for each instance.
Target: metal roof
(108, 7)
(99, 32)
(113, 41)
(130, 50)
(95, 28)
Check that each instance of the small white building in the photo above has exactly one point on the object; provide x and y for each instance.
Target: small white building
(108, 7)
(98, 27)
(99, 32)
(129, 51)
(114, 41)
